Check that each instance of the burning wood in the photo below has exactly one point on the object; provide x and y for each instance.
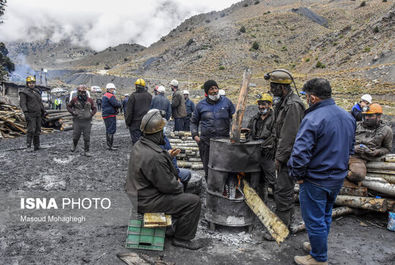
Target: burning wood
(274, 225)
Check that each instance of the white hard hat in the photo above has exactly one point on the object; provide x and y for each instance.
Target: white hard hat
(221, 92)
(174, 82)
(110, 86)
(185, 92)
(367, 98)
(161, 89)
(126, 95)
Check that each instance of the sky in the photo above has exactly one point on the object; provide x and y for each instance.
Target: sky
(99, 24)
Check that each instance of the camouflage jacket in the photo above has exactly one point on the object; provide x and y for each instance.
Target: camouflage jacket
(288, 115)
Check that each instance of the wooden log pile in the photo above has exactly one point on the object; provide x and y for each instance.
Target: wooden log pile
(13, 122)
(189, 156)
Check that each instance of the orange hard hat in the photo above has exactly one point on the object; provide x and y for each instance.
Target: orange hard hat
(374, 109)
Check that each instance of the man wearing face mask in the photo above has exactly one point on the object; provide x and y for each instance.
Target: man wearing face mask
(156, 188)
(178, 109)
(261, 128)
(214, 115)
(33, 109)
(361, 106)
(110, 107)
(288, 113)
(83, 109)
(373, 138)
(322, 147)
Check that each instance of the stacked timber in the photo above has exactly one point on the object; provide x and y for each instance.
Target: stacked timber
(12, 121)
(58, 119)
(189, 156)
(376, 192)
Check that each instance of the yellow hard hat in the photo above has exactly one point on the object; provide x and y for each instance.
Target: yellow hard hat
(279, 76)
(30, 79)
(374, 109)
(265, 97)
(140, 82)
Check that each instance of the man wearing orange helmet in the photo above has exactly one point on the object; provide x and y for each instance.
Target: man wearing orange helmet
(373, 138)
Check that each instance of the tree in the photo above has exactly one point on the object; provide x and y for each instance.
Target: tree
(6, 65)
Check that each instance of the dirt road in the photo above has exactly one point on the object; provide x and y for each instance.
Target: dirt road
(100, 232)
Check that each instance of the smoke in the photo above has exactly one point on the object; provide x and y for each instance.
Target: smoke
(99, 24)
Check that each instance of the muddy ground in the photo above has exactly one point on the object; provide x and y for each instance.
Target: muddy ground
(55, 172)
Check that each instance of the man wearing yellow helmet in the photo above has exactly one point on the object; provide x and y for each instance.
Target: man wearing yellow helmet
(138, 105)
(33, 108)
(373, 138)
(261, 127)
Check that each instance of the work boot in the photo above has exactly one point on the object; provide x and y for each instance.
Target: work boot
(189, 244)
(308, 260)
(74, 145)
(307, 247)
(86, 149)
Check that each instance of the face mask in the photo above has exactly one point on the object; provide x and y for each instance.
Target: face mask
(262, 111)
(276, 100)
(214, 97)
(365, 109)
(370, 123)
(114, 92)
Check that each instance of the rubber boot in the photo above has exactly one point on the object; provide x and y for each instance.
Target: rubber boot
(74, 145)
(86, 149)
(36, 142)
(29, 139)
(109, 145)
(285, 216)
(113, 148)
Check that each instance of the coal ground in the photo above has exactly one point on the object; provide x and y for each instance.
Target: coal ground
(55, 172)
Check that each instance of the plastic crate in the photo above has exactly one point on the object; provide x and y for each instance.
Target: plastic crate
(139, 237)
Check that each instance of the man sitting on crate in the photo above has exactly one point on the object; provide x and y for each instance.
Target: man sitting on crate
(152, 182)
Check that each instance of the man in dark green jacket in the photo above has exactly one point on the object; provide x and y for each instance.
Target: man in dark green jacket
(152, 182)
(33, 109)
(289, 111)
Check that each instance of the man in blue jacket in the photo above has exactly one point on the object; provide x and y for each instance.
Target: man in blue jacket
(213, 114)
(319, 163)
(110, 106)
(190, 107)
(160, 102)
(359, 107)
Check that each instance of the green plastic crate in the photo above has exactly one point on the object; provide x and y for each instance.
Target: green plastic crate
(140, 237)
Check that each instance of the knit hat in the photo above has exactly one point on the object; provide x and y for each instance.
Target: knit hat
(208, 84)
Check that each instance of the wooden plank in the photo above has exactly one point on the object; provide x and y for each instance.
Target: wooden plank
(240, 108)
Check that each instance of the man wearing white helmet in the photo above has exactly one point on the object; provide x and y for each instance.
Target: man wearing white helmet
(177, 107)
(160, 102)
(361, 106)
(190, 107)
(110, 106)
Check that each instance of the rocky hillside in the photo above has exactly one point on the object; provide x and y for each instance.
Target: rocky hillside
(349, 42)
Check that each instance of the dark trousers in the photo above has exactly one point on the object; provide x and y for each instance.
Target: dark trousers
(204, 151)
(184, 207)
(33, 129)
(179, 124)
(135, 134)
(99, 107)
(81, 127)
(187, 122)
(316, 203)
(284, 194)
(267, 178)
(111, 125)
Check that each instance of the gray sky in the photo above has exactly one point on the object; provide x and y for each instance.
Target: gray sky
(98, 23)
